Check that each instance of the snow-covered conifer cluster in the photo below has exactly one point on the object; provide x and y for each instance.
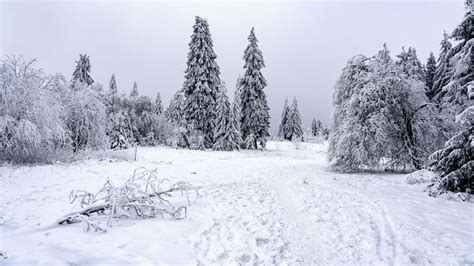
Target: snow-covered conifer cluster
(291, 126)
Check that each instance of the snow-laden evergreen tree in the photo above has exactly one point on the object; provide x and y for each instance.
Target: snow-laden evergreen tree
(283, 128)
(410, 65)
(134, 92)
(453, 97)
(158, 105)
(82, 71)
(455, 162)
(119, 129)
(255, 120)
(294, 124)
(236, 115)
(201, 83)
(226, 134)
(113, 85)
(316, 127)
(32, 124)
(444, 68)
(176, 117)
(430, 71)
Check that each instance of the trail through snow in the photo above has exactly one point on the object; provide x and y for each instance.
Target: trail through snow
(280, 206)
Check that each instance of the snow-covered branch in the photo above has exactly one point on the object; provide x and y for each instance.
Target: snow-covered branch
(143, 195)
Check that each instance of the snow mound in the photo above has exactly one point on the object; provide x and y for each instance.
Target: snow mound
(420, 176)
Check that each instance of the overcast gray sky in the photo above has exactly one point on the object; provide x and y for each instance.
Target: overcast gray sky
(305, 45)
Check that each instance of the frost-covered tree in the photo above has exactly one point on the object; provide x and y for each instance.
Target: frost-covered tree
(86, 118)
(226, 134)
(316, 127)
(430, 71)
(158, 105)
(113, 85)
(283, 128)
(345, 141)
(31, 114)
(201, 83)
(379, 114)
(444, 68)
(119, 129)
(255, 120)
(176, 117)
(410, 65)
(134, 92)
(294, 124)
(82, 71)
(236, 114)
(455, 162)
(453, 96)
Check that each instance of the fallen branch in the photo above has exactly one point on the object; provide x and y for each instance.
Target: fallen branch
(143, 195)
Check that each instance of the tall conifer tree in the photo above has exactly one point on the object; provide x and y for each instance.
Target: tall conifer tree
(430, 75)
(201, 83)
(255, 120)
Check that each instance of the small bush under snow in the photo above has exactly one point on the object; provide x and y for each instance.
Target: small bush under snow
(420, 176)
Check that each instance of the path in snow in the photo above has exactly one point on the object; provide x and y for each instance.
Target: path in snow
(281, 206)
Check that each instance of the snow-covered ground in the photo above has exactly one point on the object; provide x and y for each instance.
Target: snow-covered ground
(280, 206)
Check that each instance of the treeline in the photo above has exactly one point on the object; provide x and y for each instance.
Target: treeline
(44, 117)
(402, 114)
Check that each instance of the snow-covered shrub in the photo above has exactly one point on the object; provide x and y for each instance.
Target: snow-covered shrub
(31, 123)
(86, 118)
(420, 176)
(144, 195)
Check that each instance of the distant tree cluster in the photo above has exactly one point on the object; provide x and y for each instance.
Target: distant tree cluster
(398, 112)
(291, 126)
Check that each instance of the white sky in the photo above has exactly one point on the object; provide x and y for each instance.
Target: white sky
(305, 44)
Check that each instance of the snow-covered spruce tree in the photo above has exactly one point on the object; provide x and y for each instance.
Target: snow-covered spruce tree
(31, 114)
(430, 71)
(455, 162)
(86, 119)
(134, 92)
(119, 127)
(225, 133)
(316, 127)
(176, 117)
(201, 83)
(82, 71)
(283, 128)
(294, 123)
(444, 68)
(453, 97)
(236, 115)
(158, 105)
(113, 85)
(255, 120)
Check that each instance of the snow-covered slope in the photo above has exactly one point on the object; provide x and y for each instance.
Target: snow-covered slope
(277, 206)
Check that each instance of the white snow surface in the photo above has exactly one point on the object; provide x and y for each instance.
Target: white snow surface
(279, 206)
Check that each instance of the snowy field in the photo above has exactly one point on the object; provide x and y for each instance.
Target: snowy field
(280, 206)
